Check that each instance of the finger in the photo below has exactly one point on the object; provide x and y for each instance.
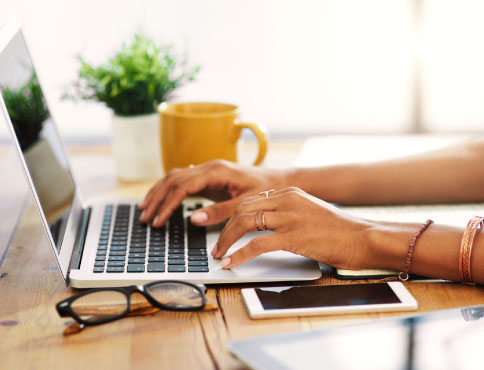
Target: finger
(157, 193)
(270, 194)
(170, 176)
(254, 204)
(163, 190)
(178, 191)
(215, 213)
(245, 223)
(257, 246)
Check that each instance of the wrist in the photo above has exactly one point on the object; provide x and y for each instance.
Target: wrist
(387, 245)
(334, 184)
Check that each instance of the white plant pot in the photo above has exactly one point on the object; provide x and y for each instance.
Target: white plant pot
(136, 147)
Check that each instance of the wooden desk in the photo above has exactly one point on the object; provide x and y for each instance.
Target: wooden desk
(30, 285)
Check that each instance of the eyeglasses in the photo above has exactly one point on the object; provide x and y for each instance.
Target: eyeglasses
(100, 306)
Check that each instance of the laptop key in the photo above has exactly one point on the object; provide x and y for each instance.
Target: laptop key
(198, 269)
(137, 250)
(137, 255)
(98, 269)
(197, 263)
(136, 268)
(118, 248)
(156, 259)
(136, 260)
(99, 264)
(116, 258)
(117, 253)
(101, 253)
(176, 262)
(175, 256)
(115, 269)
(120, 243)
(115, 263)
(176, 268)
(176, 250)
(156, 254)
(157, 249)
(102, 247)
(137, 245)
(101, 258)
(157, 243)
(197, 252)
(197, 258)
(156, 267)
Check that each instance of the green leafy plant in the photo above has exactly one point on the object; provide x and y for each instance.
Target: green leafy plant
(27, 111)
(135, 80)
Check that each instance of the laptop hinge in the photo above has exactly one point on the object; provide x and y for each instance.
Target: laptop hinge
(76, 257)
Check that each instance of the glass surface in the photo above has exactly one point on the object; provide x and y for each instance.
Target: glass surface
(35, 132)
(326, 296)
(98, 306)
(176, 295)
(444, 340)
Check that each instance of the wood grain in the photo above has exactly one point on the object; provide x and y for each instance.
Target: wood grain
(31, 330)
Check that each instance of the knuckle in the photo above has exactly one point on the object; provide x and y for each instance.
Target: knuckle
(217, 163)
(257, 245)
(292, 189)
(172, 172)
(177, 186)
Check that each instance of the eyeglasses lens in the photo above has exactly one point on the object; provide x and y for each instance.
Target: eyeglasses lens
(176, 295)
(99, 306)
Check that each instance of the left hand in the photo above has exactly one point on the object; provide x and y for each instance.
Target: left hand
(302, 224)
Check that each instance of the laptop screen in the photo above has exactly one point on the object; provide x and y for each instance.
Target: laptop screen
(36, 135)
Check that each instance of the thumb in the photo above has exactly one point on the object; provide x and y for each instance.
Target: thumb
(216, 213)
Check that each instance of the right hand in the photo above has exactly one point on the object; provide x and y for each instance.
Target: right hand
(222, 181)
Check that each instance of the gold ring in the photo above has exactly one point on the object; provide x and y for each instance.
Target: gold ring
(266, 193)
(191, 166)
(263, 218)
(257, 221)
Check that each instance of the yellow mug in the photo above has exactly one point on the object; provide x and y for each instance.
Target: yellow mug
(194, 133)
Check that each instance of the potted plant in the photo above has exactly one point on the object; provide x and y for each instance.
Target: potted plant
(133, 83)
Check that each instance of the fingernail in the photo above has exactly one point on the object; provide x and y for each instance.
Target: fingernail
(142, 204)
(155, 221)
(225, 262)
(214, 250)
(143, 214)
(199, 217)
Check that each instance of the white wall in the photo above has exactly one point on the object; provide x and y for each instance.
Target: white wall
(298, 66)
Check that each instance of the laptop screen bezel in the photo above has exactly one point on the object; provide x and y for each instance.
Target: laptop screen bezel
(7, 33)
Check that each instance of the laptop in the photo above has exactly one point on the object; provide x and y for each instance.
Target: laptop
(101, 243)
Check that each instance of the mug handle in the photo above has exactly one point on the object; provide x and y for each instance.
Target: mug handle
(261, 135)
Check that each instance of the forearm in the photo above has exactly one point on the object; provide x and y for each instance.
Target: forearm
(450, 175)
(436, 252)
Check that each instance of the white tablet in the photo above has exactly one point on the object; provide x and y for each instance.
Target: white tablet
(327, 300)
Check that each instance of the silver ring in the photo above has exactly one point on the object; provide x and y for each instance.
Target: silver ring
(266, 193)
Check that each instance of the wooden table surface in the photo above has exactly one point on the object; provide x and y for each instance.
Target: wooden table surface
(30, 286)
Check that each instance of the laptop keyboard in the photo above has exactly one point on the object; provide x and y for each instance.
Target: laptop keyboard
(127, 245)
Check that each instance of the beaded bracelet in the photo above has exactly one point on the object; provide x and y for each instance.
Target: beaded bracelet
(403, 276)
(466, 248)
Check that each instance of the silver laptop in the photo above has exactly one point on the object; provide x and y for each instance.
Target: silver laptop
(101, 243)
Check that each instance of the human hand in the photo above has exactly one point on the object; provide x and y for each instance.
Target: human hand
(225, 182)
(302, 224)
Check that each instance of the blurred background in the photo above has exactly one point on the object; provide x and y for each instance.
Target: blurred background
(301, 67)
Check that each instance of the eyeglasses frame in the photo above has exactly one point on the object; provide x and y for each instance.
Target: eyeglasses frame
(64, 308)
